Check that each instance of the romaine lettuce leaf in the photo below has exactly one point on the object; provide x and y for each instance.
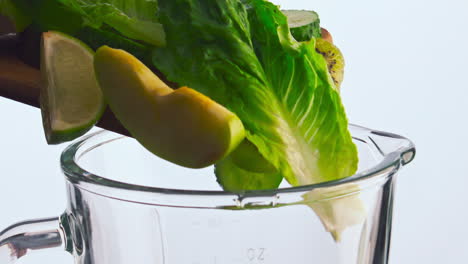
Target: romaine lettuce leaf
(241, 54)
(134, 19)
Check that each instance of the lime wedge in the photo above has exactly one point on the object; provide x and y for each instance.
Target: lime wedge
(71, 100)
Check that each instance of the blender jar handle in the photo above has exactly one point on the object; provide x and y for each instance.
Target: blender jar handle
(20, 239)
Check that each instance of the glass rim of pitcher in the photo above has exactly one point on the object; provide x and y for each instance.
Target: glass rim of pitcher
(89, 181)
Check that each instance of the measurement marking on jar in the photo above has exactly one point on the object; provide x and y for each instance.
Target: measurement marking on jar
(256, 254)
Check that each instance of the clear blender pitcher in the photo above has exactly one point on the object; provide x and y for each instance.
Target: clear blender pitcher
(127, 206)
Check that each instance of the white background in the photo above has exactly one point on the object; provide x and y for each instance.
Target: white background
(406, 73)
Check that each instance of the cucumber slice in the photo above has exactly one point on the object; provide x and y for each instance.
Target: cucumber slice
(304, 24)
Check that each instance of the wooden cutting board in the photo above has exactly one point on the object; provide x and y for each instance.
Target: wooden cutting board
(21, 82)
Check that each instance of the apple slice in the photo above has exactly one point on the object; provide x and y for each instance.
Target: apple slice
(182, 126)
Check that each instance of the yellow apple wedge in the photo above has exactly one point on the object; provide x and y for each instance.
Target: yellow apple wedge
(182, 126)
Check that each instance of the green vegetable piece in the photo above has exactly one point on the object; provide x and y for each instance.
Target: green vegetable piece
(182, 126)
(235, 179)
(304, 25)
(247, 157)
(246, 170)
(135, 19)
(242, 55)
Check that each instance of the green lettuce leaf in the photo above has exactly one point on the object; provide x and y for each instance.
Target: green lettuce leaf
(133, 19)
(241, 54)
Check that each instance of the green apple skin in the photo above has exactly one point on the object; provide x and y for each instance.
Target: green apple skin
(182, 126)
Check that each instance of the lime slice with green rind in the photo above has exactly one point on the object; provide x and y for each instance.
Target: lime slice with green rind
(71, 100)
